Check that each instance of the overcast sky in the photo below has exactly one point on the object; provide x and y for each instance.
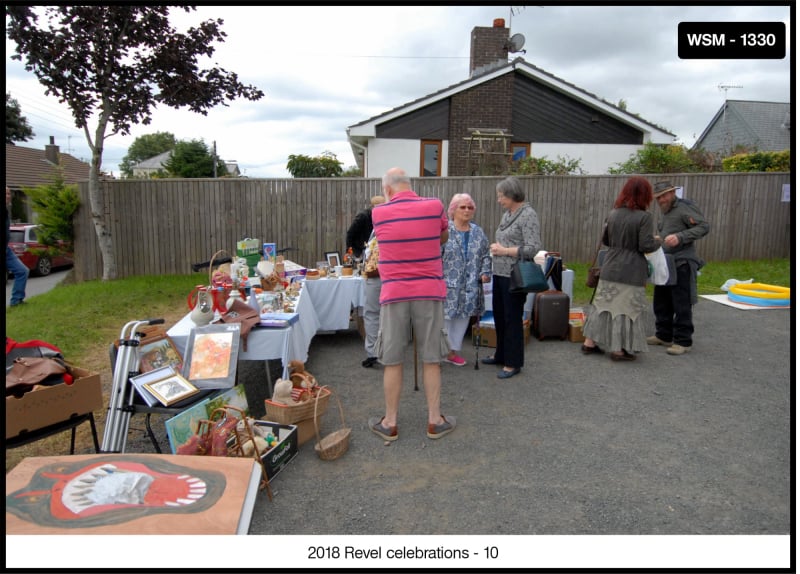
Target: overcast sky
(325, 68)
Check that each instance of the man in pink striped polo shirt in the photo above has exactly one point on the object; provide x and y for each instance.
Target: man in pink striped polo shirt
(410, 230)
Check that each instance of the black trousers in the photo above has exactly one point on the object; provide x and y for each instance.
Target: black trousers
(507, 309)
(672, 306)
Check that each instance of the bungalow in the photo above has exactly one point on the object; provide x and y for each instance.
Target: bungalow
(747, 126)
(503, 112)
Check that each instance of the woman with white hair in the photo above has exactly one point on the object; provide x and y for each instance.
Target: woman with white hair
(467, 265)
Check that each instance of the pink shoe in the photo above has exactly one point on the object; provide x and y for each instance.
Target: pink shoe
(456, 360)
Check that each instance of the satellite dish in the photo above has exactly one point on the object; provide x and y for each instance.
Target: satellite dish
(516, 42)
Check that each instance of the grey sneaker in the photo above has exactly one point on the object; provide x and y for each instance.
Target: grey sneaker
(438, 431)
(656, 341)
(386, 433)
(677, 349)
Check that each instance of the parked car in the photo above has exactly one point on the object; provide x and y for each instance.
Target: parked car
(39, 258)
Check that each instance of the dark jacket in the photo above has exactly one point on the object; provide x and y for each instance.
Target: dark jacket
(685, 220)
(359, 231)
(629, 235)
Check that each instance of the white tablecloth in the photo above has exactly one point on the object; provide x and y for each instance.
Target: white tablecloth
(332, 300)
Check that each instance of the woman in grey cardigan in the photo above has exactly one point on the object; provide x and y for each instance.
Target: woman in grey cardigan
(516, 237)
(620, 310)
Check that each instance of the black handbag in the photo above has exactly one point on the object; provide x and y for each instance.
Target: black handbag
(527, 277)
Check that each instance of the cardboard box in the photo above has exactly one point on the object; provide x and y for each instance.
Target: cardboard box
(276, 458)
(306, 430)
(50, 405)
(488, 335)
(576, 331)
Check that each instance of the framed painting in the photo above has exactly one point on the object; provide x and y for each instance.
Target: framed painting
(140, 382)
(333, 259)
(212, 354)
(171, 389)
(158, 352)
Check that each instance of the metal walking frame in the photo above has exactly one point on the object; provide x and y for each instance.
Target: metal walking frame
(115, 431)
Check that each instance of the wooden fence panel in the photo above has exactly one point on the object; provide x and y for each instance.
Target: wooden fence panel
(163, 226)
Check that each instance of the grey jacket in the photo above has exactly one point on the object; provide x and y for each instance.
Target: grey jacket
(685, 220)
(629, 235)
(518, 229)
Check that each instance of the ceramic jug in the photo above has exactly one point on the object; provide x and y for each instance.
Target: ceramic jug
(203, 311)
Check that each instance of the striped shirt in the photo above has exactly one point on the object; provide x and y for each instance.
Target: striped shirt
(409, 230)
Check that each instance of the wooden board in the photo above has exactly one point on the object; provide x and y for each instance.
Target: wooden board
(131, 494)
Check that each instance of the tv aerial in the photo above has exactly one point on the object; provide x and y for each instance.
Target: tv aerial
(515, 43)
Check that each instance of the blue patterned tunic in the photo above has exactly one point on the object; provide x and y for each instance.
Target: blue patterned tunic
(463, 275)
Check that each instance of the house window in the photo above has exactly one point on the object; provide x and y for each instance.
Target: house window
(431, 158)
(520, 151)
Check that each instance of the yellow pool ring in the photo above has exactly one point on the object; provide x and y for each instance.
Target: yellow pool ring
(761, 291)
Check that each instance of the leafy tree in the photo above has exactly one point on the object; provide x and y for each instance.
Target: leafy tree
(192, 159)
(144, 147)
(353, 171)
(112, 64)
(17, 127)
(55, 205)
(324, 165)
(655, 158)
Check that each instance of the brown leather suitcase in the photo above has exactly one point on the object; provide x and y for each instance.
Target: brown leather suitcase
(551, 315)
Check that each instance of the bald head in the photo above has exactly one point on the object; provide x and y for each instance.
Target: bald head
(395, 180)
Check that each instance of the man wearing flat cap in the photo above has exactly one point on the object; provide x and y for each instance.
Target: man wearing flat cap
(680, 224)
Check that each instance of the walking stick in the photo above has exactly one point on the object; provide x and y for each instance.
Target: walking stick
(414, 339)
(477, 339)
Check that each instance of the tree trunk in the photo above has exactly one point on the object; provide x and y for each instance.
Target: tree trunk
(101, 225)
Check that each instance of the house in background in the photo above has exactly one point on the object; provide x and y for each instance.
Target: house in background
(29, 167)
(149, 167)
(504, 111)
(746, 126)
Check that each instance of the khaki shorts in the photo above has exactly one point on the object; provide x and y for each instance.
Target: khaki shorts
(394, 333)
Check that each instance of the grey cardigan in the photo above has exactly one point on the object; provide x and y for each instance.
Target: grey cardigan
(518, 229)
(629, 235)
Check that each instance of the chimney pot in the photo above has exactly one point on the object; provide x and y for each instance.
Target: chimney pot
(499, 23)
(52, 140)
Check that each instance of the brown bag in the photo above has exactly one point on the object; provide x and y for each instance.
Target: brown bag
(29, 371)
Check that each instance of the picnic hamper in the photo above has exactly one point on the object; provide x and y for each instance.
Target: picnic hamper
(292, 414)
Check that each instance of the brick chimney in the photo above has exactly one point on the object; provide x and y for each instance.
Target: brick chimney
(51, 151)
(489, 47)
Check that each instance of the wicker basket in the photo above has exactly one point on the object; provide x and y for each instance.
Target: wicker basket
(290, 414)
(334, 445)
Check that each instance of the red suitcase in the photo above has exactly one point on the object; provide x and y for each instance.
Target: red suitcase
(551, 315)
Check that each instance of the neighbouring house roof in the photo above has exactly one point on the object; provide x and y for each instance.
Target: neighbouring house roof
(361, 132)
(29, 167)
(766, 126)
(156, 163)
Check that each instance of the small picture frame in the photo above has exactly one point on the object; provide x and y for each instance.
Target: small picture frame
(333, 259)
(171, 389)
(212, 355)
(158, 352)
(139, 382)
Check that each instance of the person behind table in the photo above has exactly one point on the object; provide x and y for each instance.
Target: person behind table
(618, 316)
(13, 265)
(372, 299)
(517, 237)
(680, 224)
(361, 227)
(410, 231)
(467, 265)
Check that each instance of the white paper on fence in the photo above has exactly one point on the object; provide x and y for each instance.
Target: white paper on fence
(731, 282)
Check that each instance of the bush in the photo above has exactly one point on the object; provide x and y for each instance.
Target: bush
(758, 161)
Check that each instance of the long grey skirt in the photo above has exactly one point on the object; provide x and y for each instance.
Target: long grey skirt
(620, 317)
